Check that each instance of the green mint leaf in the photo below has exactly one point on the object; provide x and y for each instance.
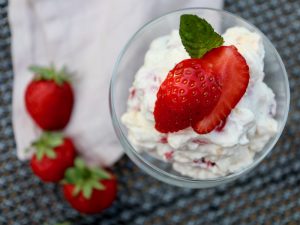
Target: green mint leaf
(198, 36)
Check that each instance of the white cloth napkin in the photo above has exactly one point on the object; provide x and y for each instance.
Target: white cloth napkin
(86, 36)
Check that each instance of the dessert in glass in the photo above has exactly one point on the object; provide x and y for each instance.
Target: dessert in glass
(198, 97)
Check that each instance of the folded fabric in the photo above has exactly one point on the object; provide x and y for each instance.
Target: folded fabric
(86, 37)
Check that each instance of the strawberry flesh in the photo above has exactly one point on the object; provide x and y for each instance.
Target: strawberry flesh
(49, 104)
(189, 92)
(233, 75)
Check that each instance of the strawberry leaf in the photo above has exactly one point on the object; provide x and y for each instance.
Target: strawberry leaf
(79, 163)
(70, 176)
(42, 72)
(97, 185)
(64, 223)
(87, 191)
(198, 36)
(102, 174)
(46, 144)
(39, 155)
(85, 179)
(50, 73)
(76, 190)
(50, 153)
(53, 139)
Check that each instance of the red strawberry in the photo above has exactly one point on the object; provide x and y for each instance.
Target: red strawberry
(49, 98)
(232, 73)
(89, 190)
(54, 154)
(189, 91)
(198, 90)
(167, 120)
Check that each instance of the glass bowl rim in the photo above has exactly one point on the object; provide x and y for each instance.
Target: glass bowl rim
(159, 173)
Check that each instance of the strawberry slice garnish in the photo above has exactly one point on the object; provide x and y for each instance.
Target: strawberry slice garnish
(201, 92)
(232, 72)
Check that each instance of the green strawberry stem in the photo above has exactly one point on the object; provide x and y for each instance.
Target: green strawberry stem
(45, 145)
(64, 223)
(198, 36)
(50, 73)
(85, 178)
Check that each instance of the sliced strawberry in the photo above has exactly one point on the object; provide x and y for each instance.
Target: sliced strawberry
(201, 92)
(232, 73)
(189, 92)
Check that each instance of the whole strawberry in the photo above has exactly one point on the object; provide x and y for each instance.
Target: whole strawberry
(53, 155)
(89, 190)
(49, 98)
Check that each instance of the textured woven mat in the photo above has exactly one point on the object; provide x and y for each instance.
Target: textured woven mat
(268, 195)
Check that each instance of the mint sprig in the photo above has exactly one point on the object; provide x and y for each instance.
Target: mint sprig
(198, 36)
(45, 145)
(85, 178)
(50, 73)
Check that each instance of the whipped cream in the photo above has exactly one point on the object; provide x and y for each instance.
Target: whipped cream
(248, 128)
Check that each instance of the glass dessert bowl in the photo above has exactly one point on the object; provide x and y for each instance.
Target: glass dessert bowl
(131, 60)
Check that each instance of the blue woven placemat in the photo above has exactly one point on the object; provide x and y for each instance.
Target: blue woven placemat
(268, 195)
